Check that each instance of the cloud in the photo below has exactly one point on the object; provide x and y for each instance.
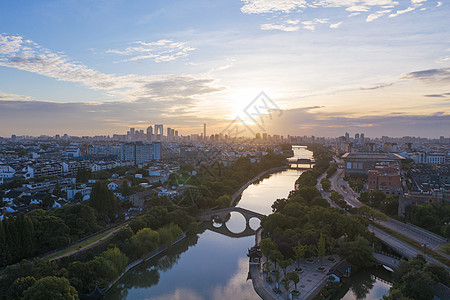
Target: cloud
(159, 51)
(4, 96)
(435, 75)
(358, 8)
(288, 26)
(435, 96)
(400, 12)
(268, 6)
(377, 14)
(336, 25)
(17, 53)
(289, 6)
(319, 122)
(377, 87)
(443, 59)
(311, 25)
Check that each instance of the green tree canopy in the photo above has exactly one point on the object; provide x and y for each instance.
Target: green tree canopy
(51, 288)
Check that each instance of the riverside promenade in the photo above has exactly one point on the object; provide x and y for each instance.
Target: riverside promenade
(312, 279)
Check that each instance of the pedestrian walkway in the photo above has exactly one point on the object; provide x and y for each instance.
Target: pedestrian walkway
(312, 280)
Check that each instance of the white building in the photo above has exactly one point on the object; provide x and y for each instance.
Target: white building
(6, 171)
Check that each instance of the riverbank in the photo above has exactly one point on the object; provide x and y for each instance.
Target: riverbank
(237, 194)
(151, 255)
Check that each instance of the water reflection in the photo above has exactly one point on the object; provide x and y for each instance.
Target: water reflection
(370, 284)
(237, 223)
(254, 223)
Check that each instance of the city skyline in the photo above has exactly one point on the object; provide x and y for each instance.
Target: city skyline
(81, 68)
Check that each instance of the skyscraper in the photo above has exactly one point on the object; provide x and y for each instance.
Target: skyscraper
(149, 133)
(204, 131)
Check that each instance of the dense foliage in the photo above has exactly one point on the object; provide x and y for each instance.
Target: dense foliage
(377, 199)
(158, 227)
(433, 216)
(416, 280)
(40, 231)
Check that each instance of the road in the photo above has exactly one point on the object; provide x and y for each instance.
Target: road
(78, 250)
(415, 233)
(401, 247)
(325, 194)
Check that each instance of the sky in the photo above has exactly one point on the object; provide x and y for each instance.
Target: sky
(307, 67)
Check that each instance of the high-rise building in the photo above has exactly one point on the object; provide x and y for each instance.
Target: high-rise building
(159, 132)
(204, 131)
(149, 133)
(140, 152)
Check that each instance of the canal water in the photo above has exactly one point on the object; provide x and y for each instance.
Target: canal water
(211, 265)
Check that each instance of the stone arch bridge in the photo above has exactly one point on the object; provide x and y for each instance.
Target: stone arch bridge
(222, 215)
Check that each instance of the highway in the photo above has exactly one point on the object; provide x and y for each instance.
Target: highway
(401, 247)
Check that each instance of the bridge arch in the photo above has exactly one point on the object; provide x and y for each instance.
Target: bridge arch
(222, 215)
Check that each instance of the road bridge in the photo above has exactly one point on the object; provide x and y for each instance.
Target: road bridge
(299, 163)
(387, 260)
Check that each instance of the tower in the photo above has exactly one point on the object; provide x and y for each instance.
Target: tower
(204, 131)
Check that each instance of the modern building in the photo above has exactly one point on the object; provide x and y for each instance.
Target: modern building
(387, 178)
(361, 163)
(140, 152)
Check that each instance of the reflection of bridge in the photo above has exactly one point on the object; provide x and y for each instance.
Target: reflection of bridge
(222, 214)
(300, 161)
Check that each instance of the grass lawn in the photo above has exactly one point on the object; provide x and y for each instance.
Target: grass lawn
(82, 244)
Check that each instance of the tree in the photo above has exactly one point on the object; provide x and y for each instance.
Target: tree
(103, 200)
(326, 184)
(118, 259)
(144, 241)
(19, 286)
(81, 219)
(331, 170)
(300, 251)
(294, 277)
(358, 252)
(169, 233)
(418, 285)
(284, 264)
(321, 250)
(278, 205)
(51, 288)
(50, 231)
(83, 175)
(275, 256)
(125, 188)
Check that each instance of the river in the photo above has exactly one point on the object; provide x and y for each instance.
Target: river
(214, 266)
